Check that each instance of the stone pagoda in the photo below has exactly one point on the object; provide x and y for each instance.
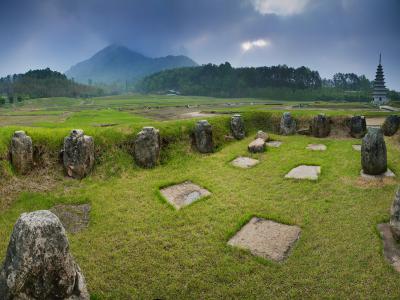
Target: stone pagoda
(379, 94)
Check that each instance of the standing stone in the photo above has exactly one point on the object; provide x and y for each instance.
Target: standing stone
(358, 127)
(395, 216)
(237, 127)
(320, 126)
(257, 146)
(38, 262)
(373, 152)
(203, 137)
(78, 154)
(391, 125)
(288, 124)
(21, 152)
(147, 147)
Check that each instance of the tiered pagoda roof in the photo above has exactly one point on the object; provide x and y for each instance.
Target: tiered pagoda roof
(379, 83)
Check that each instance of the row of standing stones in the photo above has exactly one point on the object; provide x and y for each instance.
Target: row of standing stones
(38, 263)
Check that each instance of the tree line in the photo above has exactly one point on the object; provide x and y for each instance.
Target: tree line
(41, 84)
(280, 82)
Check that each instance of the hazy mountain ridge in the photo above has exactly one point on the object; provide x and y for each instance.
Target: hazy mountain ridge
(117, 63)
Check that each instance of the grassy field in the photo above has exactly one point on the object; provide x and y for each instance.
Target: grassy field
(138, 246)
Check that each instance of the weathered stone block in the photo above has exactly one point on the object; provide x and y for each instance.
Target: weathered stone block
(147, 147)
(320, 126)
(203, 137)
(395, 216)
(257, 145)
(358, 126)
(391, 125)
(288, 124)
(78, 154)
(38, 262)
(373, 152)
(21, 152)
(237, 127)
(262, 135)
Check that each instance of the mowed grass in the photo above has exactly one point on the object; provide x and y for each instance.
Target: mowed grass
(138, 246)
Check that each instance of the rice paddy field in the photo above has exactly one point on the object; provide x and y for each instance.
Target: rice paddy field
(137, 246)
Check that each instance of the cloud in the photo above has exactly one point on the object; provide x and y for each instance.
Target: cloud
(260, 43)
(280, 7)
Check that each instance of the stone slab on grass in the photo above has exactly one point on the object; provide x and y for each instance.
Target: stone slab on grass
(244, 162)
(266, 238)
(391, 249)
(357, 147)
(183, 194)
(256, 146)
(388, 173)
(274, 144)
(316, 147)
(73, 217)
(304, 172)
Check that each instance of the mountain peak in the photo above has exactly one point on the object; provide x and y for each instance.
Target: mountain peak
(117, 63)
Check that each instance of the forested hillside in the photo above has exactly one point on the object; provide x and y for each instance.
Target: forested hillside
(43, 83)
(277, 82)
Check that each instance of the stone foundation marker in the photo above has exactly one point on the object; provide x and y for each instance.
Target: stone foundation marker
(78, 154)
(237, 127)
(244, 162)
(183, 194)
(288, 124)
(38, 262)
(274, 144)
(316, 147)
(74, 218)
(390, 233)
(357, 147)
(267, 239)
(147, 147)
(358, 127)
(21, 152)
(373, 154)
(391, 125)
(203, 137)
(304, 172)
(320, 126)
(257, 146)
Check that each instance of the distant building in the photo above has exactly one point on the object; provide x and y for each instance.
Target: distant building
(172, 93)
(379, 94)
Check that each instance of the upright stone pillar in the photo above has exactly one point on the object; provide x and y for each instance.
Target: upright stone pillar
(21, 152)
(288, 124)
(321, 126)
(395, 216)
(358, 126)
(78, 154)
(373, 152)
(203, 137)
(38, 262)
(391, 125)
(147, 147)
(237, 127)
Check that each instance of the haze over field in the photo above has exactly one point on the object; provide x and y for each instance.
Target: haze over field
(328, 36)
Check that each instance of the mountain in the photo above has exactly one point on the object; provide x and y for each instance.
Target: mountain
(118, 64)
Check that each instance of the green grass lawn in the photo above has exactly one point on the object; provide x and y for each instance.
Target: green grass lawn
(138, 246)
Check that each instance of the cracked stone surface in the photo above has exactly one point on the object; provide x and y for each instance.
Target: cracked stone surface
(274, 144)
(304, 172)
(245, 162)
(183, 194)
(388, 173)
(316, 147)
(266, 238)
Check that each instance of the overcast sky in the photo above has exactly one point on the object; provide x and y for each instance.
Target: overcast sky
(326, 35)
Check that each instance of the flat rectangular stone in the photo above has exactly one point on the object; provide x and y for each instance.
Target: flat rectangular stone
(244, 162)
(266, 238)
(274, 144)
(357, 147)
(388, 173)
(304, 172)
(258, 145)
(316, 147)
(183, 194)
